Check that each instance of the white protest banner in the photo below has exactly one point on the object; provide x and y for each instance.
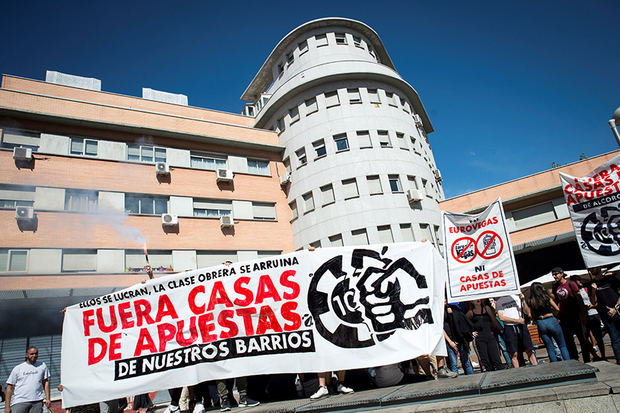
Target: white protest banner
(309, 311)
(479, 257)
(594, 205)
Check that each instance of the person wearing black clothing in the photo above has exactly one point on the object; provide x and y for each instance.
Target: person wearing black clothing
(484, 320)
(607, 292)
(458, 333)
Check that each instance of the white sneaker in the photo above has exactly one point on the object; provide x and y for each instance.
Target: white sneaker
(344, 389)
(172, 409)
(199, 408)
(321, 392)
(474, 364)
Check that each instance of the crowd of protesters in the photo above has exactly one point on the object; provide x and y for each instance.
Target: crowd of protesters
(571, 307)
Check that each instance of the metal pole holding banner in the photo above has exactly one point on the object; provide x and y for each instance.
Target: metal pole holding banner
(613, 124)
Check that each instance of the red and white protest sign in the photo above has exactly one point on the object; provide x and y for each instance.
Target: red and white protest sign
(594, 205)
(329, 309)
(479, 259)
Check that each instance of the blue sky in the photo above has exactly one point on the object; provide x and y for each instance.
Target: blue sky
(510, 86)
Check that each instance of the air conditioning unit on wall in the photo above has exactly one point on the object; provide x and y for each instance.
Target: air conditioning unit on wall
(418, 121)
(437, 175)
(285, 179)
(414, 195)
(226, 221)
(162, 168)
(224, 175)
(169, 220)
(24, 213)
(22, 154)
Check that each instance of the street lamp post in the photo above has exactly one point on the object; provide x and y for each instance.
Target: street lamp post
(613, 124)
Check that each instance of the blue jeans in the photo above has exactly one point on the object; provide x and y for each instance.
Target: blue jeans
(502, 347)
(549, 330)
(463, 351)
(613, 328)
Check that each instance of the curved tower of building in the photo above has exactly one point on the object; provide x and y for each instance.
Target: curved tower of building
(359, 167)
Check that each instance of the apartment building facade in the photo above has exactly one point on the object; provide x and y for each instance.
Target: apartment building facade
(90, 178)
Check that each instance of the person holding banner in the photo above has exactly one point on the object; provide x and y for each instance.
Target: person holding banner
(510, 309)
(458, 334)
(572, 314)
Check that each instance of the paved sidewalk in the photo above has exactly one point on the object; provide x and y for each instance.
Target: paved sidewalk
(563, 386)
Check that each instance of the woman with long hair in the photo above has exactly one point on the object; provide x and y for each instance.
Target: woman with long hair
(483, 317)
(542, 309)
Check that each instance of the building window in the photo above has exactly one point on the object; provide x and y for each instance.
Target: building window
(311, 106)
(301, 157)
(315, 244)
(80, 201)
(342, 143)
(363, 137)
(264, 211)
(12, 196)
(13, 260)
(385, 234)
(280, 125)
(145, 205)
(303, 47)
(359, 237)
(357, 42)
(293, 207)
(354, 96)
(336, 240)
(321, 40)
(374, 185)
(146, 153)
(402, 142)
(341, 38)
(212, 208)
(534, 215)
(391, 99)
(425, 187)
(83, 147)
(349, 187)
(426, 233)
(395, 183)
(373, 95)
(258, 167)
(161, 260)
(331, 99)
(287, 164)
(290, 58)
(207, 161)
(406, 107)
(308, 202)
(74, 260)
(417, 147)
(384, 139)
(413, 184)
(319, 148)
(294, 114)
(438, 236)
(406, 233)
(327, 194)
(280, 69)
(13, 138)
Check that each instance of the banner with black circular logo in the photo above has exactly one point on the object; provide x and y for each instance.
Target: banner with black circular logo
(594, 205)
(308, 311)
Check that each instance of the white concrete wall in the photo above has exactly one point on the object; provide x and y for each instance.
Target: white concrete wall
(339, 67)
